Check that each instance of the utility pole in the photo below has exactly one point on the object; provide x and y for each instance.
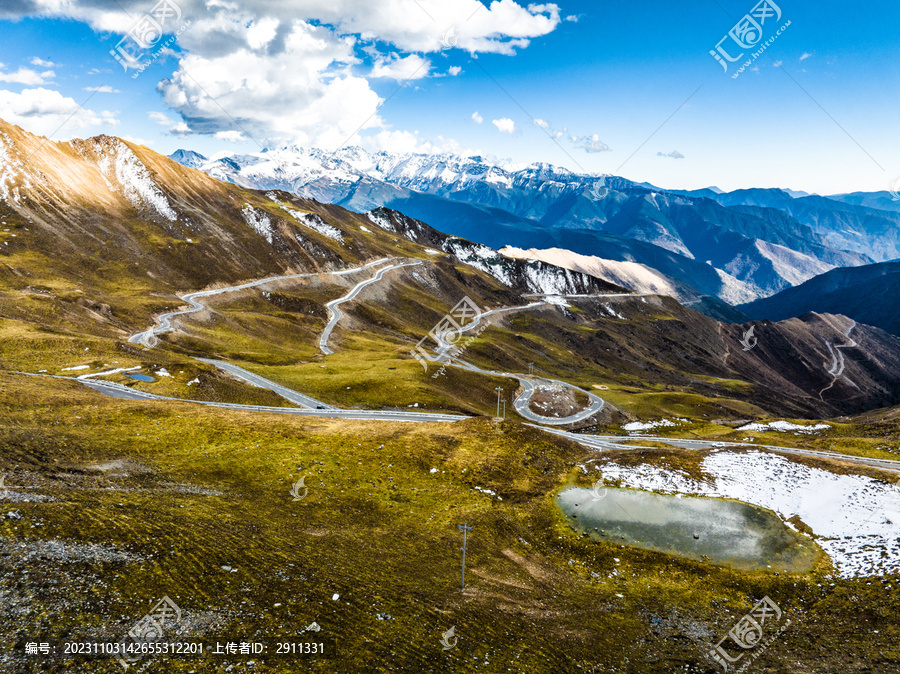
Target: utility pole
(465, 529)
(530, 368)
(499, 391)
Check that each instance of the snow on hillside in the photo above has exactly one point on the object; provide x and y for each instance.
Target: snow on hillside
(856, 519)
(547, 280)
(117, 161)
(309, 220)
(537, 277)
(381, 220)
(633, 275)
(10, 170)
(784, 427)
(479, 256)
(315, 223)
(258, 221)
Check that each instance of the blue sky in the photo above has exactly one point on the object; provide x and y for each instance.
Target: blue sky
(623, 88)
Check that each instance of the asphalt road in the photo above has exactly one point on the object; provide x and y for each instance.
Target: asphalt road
(528, 383)
(119, 391)
(164, 322)
(336, 314)
(613, 442)
(262, 382)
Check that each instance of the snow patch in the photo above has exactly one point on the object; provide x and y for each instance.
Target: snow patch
(783, 427)
(649, 425)
(10, 171)
(120, 162)
(855, 517)
(258, 221)
(315, 223)
(381, 221)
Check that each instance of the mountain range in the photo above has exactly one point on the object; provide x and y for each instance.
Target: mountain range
(737, 247)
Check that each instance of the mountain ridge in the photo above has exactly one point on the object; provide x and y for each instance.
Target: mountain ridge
(755, 253)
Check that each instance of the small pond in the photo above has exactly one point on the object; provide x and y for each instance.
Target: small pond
(141, 377)
(705, 529)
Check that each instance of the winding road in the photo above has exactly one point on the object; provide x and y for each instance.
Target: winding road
(521, 403)
(336, 314)
(315, 407)
(838, 363)
(528, 382)
(164, 322)
(308, 406)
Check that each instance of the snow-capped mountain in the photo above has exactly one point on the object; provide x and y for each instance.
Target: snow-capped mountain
(729, 249)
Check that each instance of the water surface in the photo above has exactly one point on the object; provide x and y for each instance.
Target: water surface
(705, 529)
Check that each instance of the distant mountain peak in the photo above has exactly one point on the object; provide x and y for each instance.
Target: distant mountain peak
(188, 158)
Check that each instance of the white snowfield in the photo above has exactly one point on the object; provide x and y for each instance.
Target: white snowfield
(315, 223)
(13, 173)
(784, 427)
(856, 519)
(258, 221)
(120, 163)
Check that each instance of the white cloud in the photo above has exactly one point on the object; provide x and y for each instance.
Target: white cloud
(160, 118)
(778, 64)
(505, 125)
(302, 92)
(674, 154)
(542, 123)
(180, 129)
(590, 144)
(412, 67)
(573, 18)
(478, 119)
(26, 76)
(231, 136)
(501, 27)
(454, 71)
(290, 70)
(105, 89)
(805, 56)
(43, 64)
(44, 111)
(405, 142)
